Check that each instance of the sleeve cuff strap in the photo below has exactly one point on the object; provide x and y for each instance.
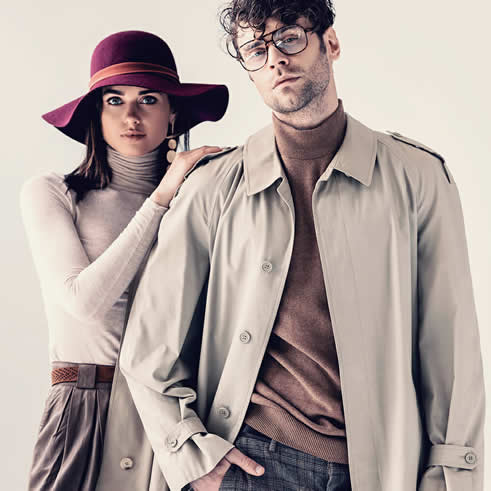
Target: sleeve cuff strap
(183, 431)
(453, 456)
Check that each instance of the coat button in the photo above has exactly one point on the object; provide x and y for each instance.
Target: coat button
(224, 412)
(172, 442)
(470, 458)
(267, 267)
(126, 463)
(245, 337)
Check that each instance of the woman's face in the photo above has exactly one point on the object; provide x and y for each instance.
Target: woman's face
(134, 119)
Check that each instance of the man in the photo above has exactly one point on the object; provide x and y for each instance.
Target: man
(309, 296)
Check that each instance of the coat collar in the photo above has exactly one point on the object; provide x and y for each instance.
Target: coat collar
(355, 158)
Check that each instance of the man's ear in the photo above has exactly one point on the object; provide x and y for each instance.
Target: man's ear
(332, 43)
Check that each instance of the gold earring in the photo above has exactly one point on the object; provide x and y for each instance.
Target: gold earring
(172, 144)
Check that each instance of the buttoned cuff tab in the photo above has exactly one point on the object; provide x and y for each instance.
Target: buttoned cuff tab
(453, 456)
(184, 430)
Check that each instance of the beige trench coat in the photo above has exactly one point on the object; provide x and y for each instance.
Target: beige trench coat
(394, 257)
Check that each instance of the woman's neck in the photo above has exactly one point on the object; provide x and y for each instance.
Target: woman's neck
(137, 174)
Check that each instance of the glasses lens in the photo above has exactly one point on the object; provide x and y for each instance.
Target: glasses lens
(253, 54)
(290, 39)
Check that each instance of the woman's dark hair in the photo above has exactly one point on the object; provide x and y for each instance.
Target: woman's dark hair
(254, 13)
(94, 172)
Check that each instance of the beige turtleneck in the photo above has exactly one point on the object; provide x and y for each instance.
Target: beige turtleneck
(87, 253)
(297, 398)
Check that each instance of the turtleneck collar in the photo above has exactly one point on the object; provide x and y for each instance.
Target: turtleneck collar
(139, 174)
(323, 141)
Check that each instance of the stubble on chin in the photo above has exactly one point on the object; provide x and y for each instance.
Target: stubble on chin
(293, 100)
(311, 91)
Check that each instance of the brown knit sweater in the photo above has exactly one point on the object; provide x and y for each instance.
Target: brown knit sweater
(297, 398)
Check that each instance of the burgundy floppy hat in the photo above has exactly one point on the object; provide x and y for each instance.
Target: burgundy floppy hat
(142, 59)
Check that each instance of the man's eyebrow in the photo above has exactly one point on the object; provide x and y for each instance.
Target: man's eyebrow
(251, 44)
(261, 36)
(245, 32)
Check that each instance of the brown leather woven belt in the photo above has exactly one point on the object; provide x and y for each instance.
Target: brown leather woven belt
(70, 374)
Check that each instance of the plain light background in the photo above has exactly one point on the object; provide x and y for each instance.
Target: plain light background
(419, 67)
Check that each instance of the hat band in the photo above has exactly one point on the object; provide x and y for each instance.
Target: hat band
(131, 67)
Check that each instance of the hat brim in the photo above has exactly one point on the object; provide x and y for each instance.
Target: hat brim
(197, 103)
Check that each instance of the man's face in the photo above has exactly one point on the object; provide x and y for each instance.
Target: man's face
(289, 83)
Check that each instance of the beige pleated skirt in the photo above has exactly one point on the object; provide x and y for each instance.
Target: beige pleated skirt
(68, 450)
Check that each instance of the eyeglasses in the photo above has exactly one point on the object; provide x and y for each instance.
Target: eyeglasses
(290, 40)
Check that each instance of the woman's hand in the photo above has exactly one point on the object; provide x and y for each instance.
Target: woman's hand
(176, 171)
(212, 480)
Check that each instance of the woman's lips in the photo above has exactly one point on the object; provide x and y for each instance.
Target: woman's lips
(134, 136)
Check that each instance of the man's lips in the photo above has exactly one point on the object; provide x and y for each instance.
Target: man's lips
(281, 80)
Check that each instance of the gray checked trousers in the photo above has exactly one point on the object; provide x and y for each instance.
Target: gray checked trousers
(286, 469)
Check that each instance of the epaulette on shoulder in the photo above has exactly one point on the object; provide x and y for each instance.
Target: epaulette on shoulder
(421, 146)
(209, 157)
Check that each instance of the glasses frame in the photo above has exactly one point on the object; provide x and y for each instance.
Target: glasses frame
(272, 40)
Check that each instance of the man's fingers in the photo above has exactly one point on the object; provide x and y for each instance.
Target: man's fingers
(248, 465)
(212, 478)
(222, 467)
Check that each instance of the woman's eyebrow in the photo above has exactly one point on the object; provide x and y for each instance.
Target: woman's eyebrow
(112, 91)
(146, 91)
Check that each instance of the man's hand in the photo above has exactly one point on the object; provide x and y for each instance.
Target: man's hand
(212, 480)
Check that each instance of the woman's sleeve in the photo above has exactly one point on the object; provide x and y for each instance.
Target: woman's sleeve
(84, 289)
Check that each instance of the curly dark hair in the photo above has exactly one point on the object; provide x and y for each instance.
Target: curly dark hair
(254, 13)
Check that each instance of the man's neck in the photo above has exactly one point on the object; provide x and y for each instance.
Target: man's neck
(311, 115)
(313, 144)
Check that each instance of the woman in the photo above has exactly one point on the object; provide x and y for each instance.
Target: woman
(90, 231)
